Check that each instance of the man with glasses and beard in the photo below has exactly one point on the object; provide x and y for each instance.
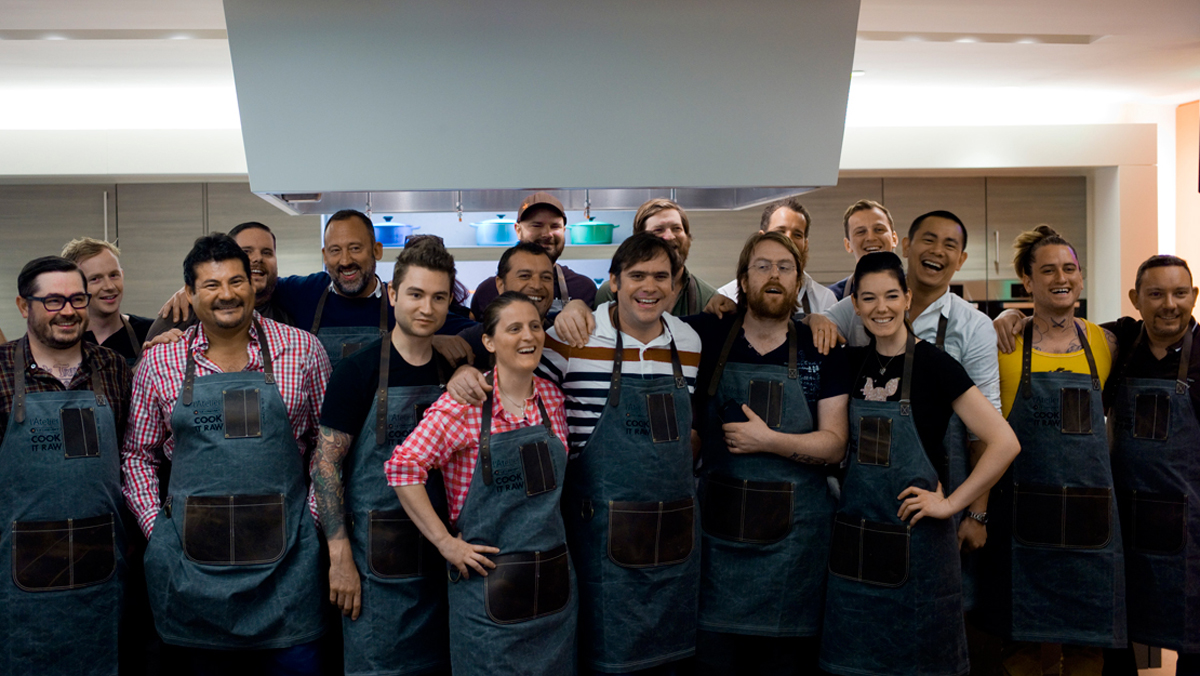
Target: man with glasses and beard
(773, 424)
(63, 406)
(232, 563)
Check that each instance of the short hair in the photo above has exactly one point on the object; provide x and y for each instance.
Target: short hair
(1027, 243)
(348, 214)
(879, 261)
(1159, 261)
(27, 279)
(212, 248)
(240, 227)
(792, 203)
(428, 253)
(640, 248)
(743, 266)
(865, 205)
(656, 206)
(83, 248)
(916, 224)
(505, 265)
(491, 314)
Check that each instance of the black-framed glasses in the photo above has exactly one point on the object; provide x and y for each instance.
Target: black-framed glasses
(56, 303)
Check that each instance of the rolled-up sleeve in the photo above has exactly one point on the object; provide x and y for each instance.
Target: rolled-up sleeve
(438, 437)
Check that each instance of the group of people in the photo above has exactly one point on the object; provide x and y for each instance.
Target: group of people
(653, 477)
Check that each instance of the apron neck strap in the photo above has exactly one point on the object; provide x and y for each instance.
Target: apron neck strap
(97, 383)
(807, 307)
(316, 325)
(485, 428)
(1185, 358)
(941, 332)
(693, 294)
(906, 384)
(381, 393)
(723, 357)
(383, 311)
(189, 376)
(19, 381)
(1087, 352)
(563, 293)
(133, 339)
(614, 384)
(1027, 358)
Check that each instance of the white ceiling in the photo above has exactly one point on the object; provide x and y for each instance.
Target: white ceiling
(1142, 53)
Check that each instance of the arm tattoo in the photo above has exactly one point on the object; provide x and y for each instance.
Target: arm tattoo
(806, 459)
(332, 447)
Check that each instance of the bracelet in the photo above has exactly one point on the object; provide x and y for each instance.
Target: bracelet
(981, 517)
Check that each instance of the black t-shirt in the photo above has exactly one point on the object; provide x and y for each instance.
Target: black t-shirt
(1143, 364)
(938, 379)
(119, 341)
(354, 383)
(821, 376)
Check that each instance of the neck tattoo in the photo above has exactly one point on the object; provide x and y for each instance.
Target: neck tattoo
(1059, 324)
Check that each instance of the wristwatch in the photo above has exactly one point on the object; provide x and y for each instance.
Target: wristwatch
(981, 517)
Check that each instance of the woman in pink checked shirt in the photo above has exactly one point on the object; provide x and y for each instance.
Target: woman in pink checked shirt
(503, 465)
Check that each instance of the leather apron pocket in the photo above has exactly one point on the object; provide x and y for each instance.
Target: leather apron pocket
(79, 435)
(350, 348)
(527, 585)
(538, 468)
(1062, 516)
(59, 555)
(740, 510)
(870, 552)
(874, 441)
(1157, 523)
(648, 534)
(396, 548)
(766, 400)
(664, 425)
(234, 530)
(243, 414)
(1075, 409)
(1152, 416)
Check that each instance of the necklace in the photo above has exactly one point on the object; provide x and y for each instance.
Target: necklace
(882, 366)
(517, 404)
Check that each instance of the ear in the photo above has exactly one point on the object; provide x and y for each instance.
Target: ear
(845, 243)
(1027, 282)
(894, 239)
(190, 294)
(908, 300)
(391, 292)
(488, 344)
(23, 306)
(614, 283)
(903, 247)
(961, 259)
(378, 249)
(854, 302)
(499, 285)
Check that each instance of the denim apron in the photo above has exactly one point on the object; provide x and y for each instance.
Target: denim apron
(342, 341)
(562, 295)
(133, 341)
(61, 538)
(632, 526)
(402, 628)
(765, 539)
(1054, 562)
(894, 601)
(521, 618)
(1156, 469)
(232, 561)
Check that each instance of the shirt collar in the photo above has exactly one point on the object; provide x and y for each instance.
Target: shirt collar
(498, 410)
(606, 330)
(199, 343)
(941, 306)
(378, 292)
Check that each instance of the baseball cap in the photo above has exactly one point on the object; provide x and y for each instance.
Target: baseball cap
(541, 199)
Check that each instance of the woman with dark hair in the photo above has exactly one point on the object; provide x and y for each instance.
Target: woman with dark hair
(894, 600)
(513, 603)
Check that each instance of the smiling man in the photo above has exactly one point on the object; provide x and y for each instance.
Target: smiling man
(100, 262)
(868, 228)
(526, 268)
(629, 499)
(231, 567)
(63, 406)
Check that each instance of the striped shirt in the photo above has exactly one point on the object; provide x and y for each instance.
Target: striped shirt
(301, 372)
(448, 439)
(584, 373)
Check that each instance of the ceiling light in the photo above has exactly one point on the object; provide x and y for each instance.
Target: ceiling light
(1000, 38)
(967, 39)
(857, 73)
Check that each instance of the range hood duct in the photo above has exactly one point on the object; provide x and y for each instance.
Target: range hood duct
(469, 104)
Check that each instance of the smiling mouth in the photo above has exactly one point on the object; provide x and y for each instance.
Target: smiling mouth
(646, 302)
(882, 320)
(1060, 291)
(932, 265)
(536, 299)
(527, 350)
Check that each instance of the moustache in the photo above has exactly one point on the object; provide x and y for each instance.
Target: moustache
(227, 304)
(349, 268)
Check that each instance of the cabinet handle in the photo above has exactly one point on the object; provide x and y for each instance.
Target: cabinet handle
(996, 254)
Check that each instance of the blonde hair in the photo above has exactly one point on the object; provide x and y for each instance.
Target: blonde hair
(865, 205)
(83, 248)
(1027, 243)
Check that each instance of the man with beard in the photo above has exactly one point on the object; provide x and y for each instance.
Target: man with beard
(774, 419)
(542, 220)
(231, 567)
(668, 221)
(868, 227)
(394, 605)
(789, 217)
(101, 265)
(63, 406)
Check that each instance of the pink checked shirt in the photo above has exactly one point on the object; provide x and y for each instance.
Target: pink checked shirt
(448, 438)
(301, 372)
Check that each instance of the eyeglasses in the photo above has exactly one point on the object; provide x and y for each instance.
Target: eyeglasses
(765, 267)
(57, 303)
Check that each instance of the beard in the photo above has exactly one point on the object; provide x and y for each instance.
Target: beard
(229, 323)
(44, 332)
(354, 288)
(772, 305)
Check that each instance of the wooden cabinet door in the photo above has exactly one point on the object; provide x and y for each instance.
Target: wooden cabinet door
(159, 223)
(1016, 204)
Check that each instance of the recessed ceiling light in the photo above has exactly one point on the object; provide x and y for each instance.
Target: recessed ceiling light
(51, 36)
(967, 39)
(1001, 38)
(857, 73)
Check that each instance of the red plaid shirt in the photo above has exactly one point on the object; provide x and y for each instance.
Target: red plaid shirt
(448, 439)
(301, 372)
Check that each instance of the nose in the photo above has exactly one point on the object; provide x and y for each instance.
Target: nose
(668, 235)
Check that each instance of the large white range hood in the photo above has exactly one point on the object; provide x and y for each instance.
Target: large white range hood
(469, 104)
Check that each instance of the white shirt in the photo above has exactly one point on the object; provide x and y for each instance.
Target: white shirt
(820, 298)
(970, 337)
